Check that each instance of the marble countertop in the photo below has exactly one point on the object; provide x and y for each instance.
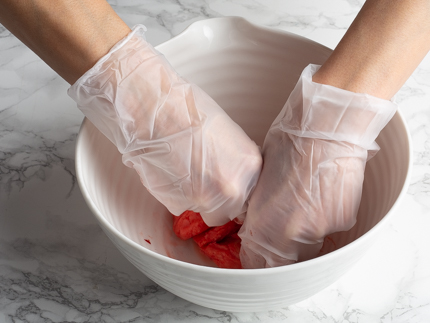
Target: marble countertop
(56, 265)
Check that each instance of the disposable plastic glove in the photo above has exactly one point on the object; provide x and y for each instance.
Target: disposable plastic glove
(310, 186)
(187, 151)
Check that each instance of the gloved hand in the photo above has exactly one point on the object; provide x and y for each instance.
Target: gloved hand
(310, 186)
(187, 151)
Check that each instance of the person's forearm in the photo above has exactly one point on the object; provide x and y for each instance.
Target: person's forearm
(69, 35)
(381, 49)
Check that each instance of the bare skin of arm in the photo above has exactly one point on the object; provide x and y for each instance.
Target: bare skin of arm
(69, 35)
(381, 49)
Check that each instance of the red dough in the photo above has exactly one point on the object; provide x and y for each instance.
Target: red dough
(221, 244)
(216, 234)
(225, 254)
(188, 225)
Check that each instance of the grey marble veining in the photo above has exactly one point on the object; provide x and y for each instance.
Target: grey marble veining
(56, 265)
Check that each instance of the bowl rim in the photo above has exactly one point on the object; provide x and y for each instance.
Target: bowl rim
(236, 20)
(236, 272)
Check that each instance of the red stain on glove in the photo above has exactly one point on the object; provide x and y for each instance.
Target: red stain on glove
(221, 244)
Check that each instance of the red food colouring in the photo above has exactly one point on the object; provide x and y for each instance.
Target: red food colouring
(225, 254)
(331, 240)
(188, 224)
(148, 241)
(216, 234)
(221, 244)
(328, 245)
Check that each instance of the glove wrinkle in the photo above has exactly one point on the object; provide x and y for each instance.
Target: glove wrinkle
(188, 152)
(310, 185)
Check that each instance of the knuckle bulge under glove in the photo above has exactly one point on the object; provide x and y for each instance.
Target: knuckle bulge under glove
(310, 186)
(188, 152)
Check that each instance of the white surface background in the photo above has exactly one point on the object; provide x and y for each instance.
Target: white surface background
(56, 265)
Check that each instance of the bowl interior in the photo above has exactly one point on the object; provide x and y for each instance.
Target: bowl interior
(250, 72)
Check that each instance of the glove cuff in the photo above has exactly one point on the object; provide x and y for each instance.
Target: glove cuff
(99, 95)
(137, 34)
(321, 111)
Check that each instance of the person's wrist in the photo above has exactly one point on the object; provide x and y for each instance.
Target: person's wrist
(94, 42)
(104, 40)
(70, 36)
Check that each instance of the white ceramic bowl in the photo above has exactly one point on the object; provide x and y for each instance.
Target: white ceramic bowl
(249, 71)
